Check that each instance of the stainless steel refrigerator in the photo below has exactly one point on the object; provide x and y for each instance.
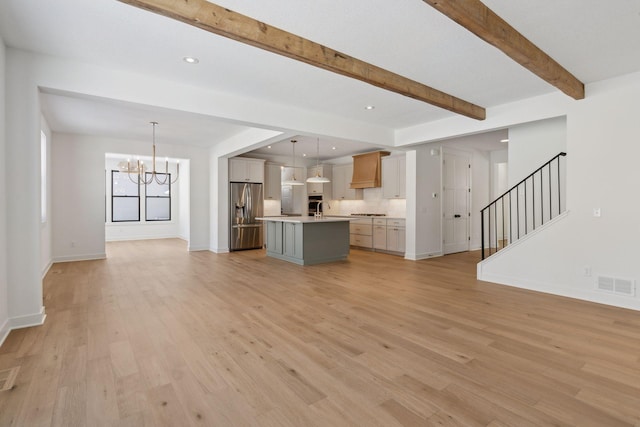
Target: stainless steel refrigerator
(245, 205)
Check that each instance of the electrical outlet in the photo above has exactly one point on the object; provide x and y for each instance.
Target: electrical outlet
(586, 271)
(73, 244)
(596, 212)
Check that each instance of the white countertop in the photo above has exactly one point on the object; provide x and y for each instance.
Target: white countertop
(305, 219)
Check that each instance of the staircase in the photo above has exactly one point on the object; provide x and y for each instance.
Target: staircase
(529, 204)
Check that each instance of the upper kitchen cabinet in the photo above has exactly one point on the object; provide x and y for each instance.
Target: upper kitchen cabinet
(394, 177)
(244, 169)
(272, 182)
(341, 184)
(317, 188)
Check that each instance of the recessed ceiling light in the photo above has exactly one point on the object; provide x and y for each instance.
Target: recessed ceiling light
(268, 146)
(190, 60)
(304, 155)
(333, 148)
(504, 140)
(369, 107)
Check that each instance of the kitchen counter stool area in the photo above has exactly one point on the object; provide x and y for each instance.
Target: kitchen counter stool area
(307, 240)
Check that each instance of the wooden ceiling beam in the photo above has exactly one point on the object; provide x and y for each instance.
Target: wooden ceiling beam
(484, 23)
(224, 22)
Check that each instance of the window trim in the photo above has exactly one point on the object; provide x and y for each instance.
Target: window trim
(114, 196)
(146, 197)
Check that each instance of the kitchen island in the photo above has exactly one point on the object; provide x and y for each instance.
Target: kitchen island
(306, 240)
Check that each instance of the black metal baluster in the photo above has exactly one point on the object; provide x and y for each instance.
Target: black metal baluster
(518, 208)
(482, 231)
(510, 219)
(495, 219)
(503, 245)
(559, 188)
(533, 199)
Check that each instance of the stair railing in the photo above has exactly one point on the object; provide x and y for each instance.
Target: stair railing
(536, 199)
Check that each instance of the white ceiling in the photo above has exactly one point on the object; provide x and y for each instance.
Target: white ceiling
(592, 39)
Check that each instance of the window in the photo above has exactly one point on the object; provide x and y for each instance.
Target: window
(125, 198)
(158, 198)
(43, 177)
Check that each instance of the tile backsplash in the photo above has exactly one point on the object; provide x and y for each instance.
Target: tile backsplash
(372, 203)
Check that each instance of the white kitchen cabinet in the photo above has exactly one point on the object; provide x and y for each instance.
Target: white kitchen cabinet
(380, 234)
(272, 182)
(361, 233)
(342, 184)
(396, 232)
(319, 188)
(394, 177)
(242, 169)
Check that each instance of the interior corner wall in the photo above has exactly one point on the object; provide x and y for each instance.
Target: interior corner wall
(4, 295)
(533, 144)
(567, 257)
(46, 257)
(79, 199)
(219, 175)
(184, 184)
(424, 175)
(22, 164)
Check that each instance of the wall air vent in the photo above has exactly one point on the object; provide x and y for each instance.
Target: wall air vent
(616, 285)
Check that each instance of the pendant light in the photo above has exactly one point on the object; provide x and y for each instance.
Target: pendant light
(293, 180)
(318, 179)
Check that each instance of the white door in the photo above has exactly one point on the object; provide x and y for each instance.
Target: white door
(456, 199)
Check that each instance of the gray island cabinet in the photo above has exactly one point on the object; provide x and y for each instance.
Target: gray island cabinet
(307, 240)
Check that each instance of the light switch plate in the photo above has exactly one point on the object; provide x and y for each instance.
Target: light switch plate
(596, 212)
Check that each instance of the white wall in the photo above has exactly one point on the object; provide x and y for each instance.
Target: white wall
(23, 213)
(4, 290)
(143, 229)
(533, 144)
(79, 191)
(602, 172)
(45, 227)
(184, 211)
(424, 212)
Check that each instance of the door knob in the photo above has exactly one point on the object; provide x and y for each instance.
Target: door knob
(457, 216)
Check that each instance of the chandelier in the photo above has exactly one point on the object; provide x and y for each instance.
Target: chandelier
(141, 170)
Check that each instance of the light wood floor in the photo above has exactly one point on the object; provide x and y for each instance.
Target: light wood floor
(155, 335)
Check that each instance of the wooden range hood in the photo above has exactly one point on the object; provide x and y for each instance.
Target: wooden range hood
(367, 170)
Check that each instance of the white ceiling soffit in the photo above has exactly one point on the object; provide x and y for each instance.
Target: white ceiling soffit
(592, 39)
(306, 147)
(124, 120)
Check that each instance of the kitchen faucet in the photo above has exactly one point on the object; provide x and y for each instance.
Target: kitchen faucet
(318, 213)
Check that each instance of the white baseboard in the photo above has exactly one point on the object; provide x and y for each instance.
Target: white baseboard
(19, 322)
(87, 257)
(590, 295)
(418, 257)
(4, 331)
(219, 250)
(143, 237)
(196, 248)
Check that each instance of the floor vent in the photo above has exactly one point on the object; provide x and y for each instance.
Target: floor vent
(8, 378)
(616, 285)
